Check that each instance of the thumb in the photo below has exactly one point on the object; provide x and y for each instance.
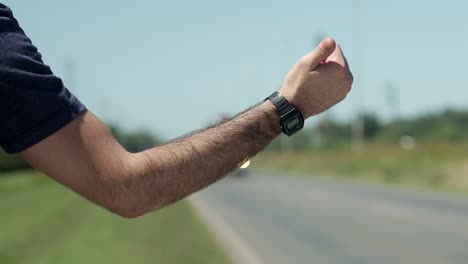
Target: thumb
(325, 48)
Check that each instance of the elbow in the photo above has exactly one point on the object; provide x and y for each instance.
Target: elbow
(125, 195)
(117, 197)
(128, 210)
(129, 206)
(134, 210)
(128, 213)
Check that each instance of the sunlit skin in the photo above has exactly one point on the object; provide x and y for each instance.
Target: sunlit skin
(85, 157)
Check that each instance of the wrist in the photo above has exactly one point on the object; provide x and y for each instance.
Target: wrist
(271, 117)
(291, 119)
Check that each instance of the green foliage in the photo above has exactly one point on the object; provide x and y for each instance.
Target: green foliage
(430, 164)
(325, 134)
(371, 125)
(446, 126)
(42, 222)
(437, 159)
(139, 140)
(10, 162)
(135, 141)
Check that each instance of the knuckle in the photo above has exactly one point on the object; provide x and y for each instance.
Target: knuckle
(314, 74)
(321, 50)
(348, 84)
(343, 97)
(302, 62)
(348, 79)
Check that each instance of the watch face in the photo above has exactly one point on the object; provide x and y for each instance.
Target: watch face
(293, 123)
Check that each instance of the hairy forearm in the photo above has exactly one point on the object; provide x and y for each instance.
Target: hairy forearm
(170, 172)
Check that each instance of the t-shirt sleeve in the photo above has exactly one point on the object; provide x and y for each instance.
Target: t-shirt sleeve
(33, 102)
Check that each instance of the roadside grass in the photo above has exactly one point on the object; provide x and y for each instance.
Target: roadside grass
(442, 166)
(42, 222)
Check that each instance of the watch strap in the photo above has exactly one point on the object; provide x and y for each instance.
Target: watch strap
(282, 104)
(291, 120)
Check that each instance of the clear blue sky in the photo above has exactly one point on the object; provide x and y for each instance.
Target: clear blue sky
(173, 66)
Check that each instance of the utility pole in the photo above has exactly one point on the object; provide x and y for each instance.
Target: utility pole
(357, 141)
(393, 100)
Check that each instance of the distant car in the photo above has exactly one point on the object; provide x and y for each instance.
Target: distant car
(242, 171)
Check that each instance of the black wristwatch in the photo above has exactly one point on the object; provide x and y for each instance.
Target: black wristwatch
(291, 120)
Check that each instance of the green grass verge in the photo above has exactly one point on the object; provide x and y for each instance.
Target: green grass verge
(42, 222)
(440, 166)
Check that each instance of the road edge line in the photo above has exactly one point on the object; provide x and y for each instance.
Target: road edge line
(234, 246)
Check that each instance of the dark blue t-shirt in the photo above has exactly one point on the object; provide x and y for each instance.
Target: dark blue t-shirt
(33, 102)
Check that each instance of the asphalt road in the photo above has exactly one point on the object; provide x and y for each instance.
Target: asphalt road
(282, 219)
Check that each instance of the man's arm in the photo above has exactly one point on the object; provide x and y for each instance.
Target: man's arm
(85, 157)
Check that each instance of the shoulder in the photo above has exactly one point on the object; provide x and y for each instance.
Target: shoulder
(34, 103)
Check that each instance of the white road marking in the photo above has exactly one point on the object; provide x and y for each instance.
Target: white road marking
(236, 248)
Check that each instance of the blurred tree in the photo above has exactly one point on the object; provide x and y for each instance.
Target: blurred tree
(10, 162)
(139, 140)
(448, 126)
(329, 133)
(371, 125)
(117, 133)
(134, 141)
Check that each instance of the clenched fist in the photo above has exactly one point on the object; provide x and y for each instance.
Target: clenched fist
(318, 80)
